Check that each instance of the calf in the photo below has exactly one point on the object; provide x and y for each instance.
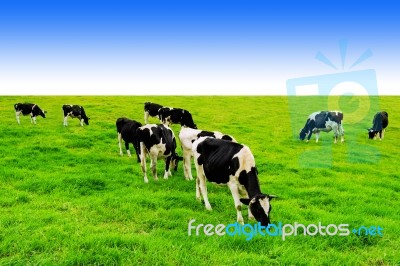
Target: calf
(187, 136)
(230, 163)
(75, 111)
(159, 142)
(28, 109)
(127, 131)
(150, 109)
(323, 121)
(169, 116)
(380, 122)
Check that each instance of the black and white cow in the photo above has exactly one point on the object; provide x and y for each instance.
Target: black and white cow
(151, 109)
(380, 122)
(75, 111)
(127, 131)
(158, 141)
(187, 136)
(28, 109)
(170, 116)
(323, 121)
(233, 164)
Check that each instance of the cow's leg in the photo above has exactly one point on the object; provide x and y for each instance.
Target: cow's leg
(198, 195)
(17, 117)
(143, 161)
(243, 194)
(153, 165)
(65, 121)
(236, 198)
(33, 118)
(309, 135)
(167, 172)
(136, 146)
(127, 149)
(203, 189)
(383, 133)
(187, 156)
(120, 144)
(146, 117)
(317, 136)
(82, 122)
(380, 134)
(335, 132)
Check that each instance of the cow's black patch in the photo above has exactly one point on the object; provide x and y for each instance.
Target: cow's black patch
(128, 130)
(205, 134)
(152, 108)
(216, 156)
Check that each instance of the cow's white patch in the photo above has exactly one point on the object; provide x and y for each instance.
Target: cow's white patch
(265, 204)
(246, 160)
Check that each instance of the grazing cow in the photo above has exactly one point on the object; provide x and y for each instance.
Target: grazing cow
(323, 121)
(169, 116)
(28, 109)
(230, 163)
(187, 136)
(127, 131)
(75, 111)
(380, 122)
(150, 109)
(159, 142)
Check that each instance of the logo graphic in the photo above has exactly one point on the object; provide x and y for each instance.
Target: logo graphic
(354, 92)
(249, 231)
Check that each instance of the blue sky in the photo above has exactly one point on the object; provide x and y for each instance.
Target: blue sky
(189, 47)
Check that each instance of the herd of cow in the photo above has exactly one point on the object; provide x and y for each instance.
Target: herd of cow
(217, 157)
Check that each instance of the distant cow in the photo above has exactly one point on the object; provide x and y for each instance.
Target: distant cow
(75, 111)
(230, 163)
(323, 121)
(170, 116)
(380, 122)
(187, 136)
(28, 109)
(127, 131)
(150, 109)
(159, 142)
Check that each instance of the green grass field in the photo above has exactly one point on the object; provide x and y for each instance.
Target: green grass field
(67, 197)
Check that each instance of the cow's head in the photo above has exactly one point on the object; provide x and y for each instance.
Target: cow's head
(86, 120)
(175, 160)
(260, 207)
(304, 133)
(42, 113)
(371, 133)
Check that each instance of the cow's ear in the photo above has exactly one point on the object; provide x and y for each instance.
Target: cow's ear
(270, 197)
(245, 201)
